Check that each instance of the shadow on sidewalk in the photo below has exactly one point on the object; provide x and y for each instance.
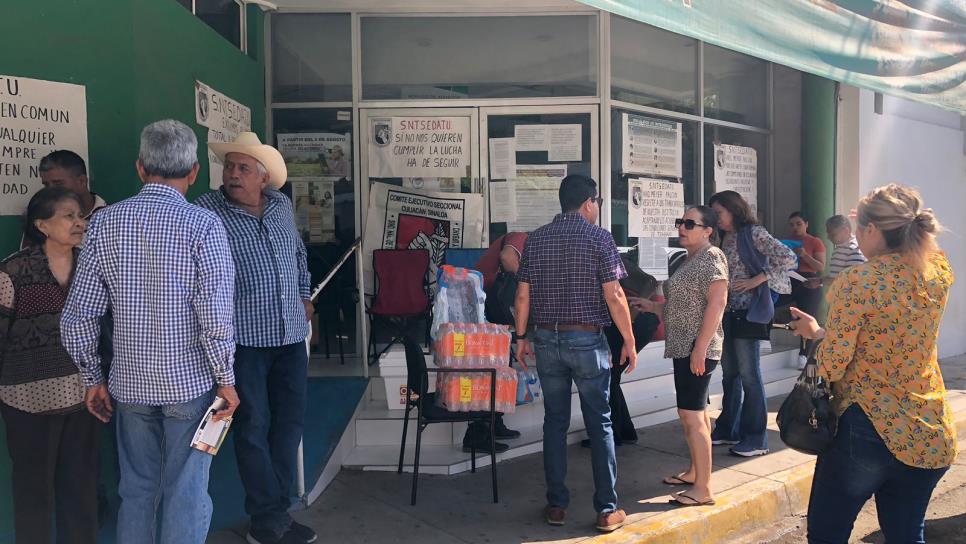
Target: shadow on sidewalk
(946, 530)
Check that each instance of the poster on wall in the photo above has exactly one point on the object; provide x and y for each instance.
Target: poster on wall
(36, 117)
(736, 169)
(314, 209)
(536, 196)
(401, 218)
(225, 119)
(653, 205)
(419, 147)
(650, 146)
(316, 154)
(443, 185)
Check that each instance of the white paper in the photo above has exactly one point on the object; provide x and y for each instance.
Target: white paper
(225, 119)
(38, 117)
(565, 143)
(653, 205)
(444, 185)
(400, 218)
(503, 158)
(503, 201)
(736, 169)
(796, 276)
(428, 147)
(314, 209)
(532, 137)
(313, 155)
(537, 190)
(651, 146)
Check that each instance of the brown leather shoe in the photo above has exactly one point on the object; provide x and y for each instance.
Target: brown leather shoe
(609, 521)
(554, 515)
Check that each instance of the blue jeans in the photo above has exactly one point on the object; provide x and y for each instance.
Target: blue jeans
(744, 412)
(583, 358)
(268, 429)
(159, 467)
(858, 466)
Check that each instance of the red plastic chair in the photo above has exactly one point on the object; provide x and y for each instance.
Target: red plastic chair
(401, 293)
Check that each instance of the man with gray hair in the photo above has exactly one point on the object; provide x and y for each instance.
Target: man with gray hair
(272, 310)
(164, 268)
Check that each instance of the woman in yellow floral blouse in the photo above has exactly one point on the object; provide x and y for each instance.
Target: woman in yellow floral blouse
(896, 437)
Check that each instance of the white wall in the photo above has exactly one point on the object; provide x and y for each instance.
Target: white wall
(923, 146)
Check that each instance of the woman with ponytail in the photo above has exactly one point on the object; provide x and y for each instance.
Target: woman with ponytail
(896, 437)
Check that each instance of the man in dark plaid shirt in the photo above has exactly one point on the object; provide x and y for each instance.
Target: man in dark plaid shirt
(568, 291)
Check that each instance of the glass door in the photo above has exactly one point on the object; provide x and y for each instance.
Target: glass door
(525, 153)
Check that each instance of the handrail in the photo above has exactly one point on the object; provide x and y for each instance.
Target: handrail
(328, 277)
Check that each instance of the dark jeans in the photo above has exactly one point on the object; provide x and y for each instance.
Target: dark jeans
(54, 475)
(268, 429)
(566, 358)
(805, 299)
(858, 466)
(644, 327)
(744, 409)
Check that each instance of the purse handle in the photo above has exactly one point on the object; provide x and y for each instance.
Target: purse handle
(809, 374)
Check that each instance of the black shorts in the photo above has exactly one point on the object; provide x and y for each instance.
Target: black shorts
(692, 391)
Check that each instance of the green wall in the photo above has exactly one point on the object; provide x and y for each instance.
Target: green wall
(138, 60)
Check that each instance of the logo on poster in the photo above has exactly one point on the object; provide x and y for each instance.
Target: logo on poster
(203, 105)
(382, 134)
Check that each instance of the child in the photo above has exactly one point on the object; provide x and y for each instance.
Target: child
(846, 252)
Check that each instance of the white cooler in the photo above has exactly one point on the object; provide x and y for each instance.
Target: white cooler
(392, 370)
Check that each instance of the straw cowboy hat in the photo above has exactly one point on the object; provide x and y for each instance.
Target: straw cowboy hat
(248, 143)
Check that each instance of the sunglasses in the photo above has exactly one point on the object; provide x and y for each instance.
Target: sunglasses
(598, 200)
(689, 224)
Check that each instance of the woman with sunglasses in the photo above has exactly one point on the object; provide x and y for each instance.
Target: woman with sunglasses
(757, 265)
(696, 296)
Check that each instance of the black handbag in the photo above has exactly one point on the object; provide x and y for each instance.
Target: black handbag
(806, 419)
(501, 296)
(736, 325)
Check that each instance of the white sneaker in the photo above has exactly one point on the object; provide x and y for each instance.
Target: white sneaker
(802, 361)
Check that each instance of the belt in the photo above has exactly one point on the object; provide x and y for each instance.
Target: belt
(556, 327)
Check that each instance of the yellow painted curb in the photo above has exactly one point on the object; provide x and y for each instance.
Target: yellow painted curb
(739, 510)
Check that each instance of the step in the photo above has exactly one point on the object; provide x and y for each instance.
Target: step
(651, 400)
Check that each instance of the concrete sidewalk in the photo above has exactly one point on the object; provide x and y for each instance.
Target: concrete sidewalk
(750, 493)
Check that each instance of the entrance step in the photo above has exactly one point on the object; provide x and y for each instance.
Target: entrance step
(651, 401)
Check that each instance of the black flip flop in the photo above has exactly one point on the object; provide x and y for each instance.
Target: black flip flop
(676, 480)
(676, 500)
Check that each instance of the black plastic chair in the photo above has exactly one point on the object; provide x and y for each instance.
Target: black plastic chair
(427, 412)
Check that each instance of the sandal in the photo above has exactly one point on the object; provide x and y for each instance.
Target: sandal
(690, 501)
(676, 480)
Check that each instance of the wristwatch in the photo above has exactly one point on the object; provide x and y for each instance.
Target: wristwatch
(519, 336)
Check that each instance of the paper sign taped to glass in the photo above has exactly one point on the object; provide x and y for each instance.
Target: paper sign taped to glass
(211, 433)
(403, 218)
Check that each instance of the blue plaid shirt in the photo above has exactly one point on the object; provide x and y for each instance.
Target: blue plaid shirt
(271, 274)
(164, 268)
(566, 262)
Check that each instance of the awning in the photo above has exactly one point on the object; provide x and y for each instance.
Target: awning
(915, 49)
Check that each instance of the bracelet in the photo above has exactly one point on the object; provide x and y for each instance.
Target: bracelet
(519, 336)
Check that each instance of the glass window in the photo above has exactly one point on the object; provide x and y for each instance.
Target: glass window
(317, 146)
(618, 187)
(735, 87)
(653, 67)
(311, 57)
(759, 142)
(478, 57)
(504, 126)
(222, 15)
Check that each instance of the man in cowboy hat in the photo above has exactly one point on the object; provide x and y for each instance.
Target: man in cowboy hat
(272, 311)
